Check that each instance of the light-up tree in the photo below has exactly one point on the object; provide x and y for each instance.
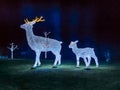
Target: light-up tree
(46, 40)
(12, 48)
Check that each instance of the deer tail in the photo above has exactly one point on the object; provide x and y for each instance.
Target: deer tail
(93, 49)
(61, 42)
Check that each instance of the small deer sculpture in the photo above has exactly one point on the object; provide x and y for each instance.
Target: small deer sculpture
(39, 44)
(85, 53)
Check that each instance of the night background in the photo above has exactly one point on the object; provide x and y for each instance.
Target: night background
(95, 23)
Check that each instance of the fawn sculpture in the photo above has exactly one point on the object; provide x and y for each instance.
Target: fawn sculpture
(85, 53)
(39, 44)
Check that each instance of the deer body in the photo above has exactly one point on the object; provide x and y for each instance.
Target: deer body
(39, 44)
(85, 53)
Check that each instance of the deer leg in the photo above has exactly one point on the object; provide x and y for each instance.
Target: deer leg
(59, 60)
(96, 61)
(78, 62)
(88, 60)
(86, 63)
(56, 60)
(37, 62)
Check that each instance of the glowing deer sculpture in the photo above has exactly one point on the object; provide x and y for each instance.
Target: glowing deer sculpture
(39, 44)
(85, 53)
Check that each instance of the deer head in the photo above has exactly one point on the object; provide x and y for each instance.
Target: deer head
(29, 24)
(73, 43)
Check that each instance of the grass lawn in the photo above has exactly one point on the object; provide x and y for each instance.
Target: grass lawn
(18, 75)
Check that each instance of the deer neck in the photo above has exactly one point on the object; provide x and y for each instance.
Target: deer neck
(31, 37)
(29, 34)
(75, 49)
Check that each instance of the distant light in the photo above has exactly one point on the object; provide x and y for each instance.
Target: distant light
(107, 56)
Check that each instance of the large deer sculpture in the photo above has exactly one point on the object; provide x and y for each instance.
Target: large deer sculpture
(39, 44)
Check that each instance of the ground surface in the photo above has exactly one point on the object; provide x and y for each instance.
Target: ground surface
(18, 75)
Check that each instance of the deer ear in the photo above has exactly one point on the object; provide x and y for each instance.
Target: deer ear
(71, 42)
(76, 41)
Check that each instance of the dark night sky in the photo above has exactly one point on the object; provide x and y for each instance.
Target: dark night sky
(94, 23)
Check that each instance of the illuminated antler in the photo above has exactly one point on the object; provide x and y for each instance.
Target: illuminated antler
(26, 21)
(39, 19)
(35, 20)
